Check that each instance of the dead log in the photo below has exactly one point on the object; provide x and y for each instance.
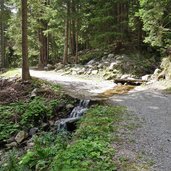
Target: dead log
(135, 82)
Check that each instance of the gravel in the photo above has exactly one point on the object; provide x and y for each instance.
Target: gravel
(154, 137)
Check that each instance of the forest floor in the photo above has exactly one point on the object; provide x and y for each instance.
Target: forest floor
(149, 103)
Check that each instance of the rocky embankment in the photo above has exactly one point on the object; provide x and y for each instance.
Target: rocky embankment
(110, 67)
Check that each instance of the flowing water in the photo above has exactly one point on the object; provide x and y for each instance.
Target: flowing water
(69, 124)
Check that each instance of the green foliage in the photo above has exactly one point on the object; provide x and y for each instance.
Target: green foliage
(35, 112)
(46, 147)
(139, 64)
(90, 148)
(155, 16)
(7, 125)
(20, 115)
(87, 155)
(11, 162)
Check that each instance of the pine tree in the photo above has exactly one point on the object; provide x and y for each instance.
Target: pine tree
(25, 62)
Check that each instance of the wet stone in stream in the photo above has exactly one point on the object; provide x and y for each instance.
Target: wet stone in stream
(69, 124)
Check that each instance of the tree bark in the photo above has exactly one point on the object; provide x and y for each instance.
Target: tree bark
(65, 57)
(2, 36)
(25, 61)
(43, 57)
(44, 43)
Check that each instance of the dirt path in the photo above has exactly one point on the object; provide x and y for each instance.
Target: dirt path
(82, 88)
(154, 137)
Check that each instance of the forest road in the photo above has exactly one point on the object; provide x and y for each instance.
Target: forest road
(153, 138)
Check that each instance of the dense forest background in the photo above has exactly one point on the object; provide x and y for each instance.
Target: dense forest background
(58, 29)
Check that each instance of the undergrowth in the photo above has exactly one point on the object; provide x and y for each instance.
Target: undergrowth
(89, 148)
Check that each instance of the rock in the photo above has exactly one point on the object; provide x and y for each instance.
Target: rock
(104, 58)
(11, 139)
(69, 106)
(45, 68)
(21, 136)
(33, 131)
(74, 72)
(51, 123)
(109, 76)
(111, 55)
(106, 63)
(30, 143)
(162, 75)
(157, 71)
(45, 126)
(112, 66)
(50, 67)
(34, 93)
(68, 124)
(100, 66)
(146, 77)
(94, 72)
(125, 76)
(82, 71)
(89, 71)
(12, 144)
(91, 62)
(59, 66)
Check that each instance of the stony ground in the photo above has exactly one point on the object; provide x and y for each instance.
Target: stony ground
(154, 137)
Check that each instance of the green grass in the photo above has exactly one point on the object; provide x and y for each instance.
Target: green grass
(11, 73)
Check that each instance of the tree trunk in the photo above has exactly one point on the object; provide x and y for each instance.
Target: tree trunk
(65, 57)
(76, 53)
(25, 62)
(2, 36)
(44, 43)
(43, 57)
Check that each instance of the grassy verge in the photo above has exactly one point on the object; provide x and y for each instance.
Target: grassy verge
(11, 73)
(90, 148)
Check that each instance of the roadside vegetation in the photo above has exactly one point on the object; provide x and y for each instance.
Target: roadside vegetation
(89, 148)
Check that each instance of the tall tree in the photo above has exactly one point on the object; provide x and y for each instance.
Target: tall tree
(65, 56)
(43, 40)
(2, 35)
(25, 62)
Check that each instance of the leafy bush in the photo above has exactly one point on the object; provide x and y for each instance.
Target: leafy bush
(16, 116)
(35, 112)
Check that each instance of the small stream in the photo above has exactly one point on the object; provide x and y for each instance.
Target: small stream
(69, 124)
